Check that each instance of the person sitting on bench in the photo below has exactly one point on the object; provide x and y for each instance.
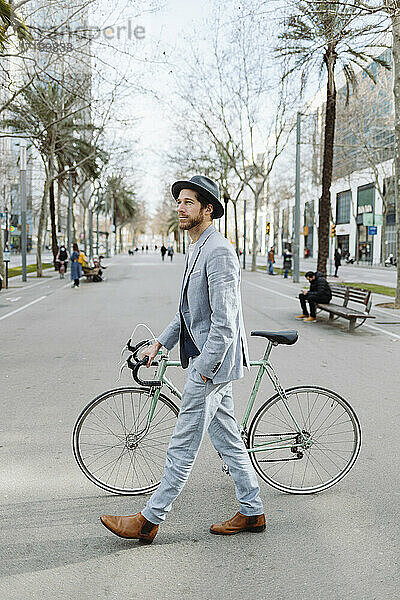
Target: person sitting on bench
(319, 293)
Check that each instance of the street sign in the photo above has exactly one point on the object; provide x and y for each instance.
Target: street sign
(368, 219)
(6, 255)
(372, 230)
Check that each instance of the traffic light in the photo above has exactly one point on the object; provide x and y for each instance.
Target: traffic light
(333, 230)
(267, 228)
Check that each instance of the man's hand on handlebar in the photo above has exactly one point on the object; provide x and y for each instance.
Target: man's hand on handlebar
(151, 352)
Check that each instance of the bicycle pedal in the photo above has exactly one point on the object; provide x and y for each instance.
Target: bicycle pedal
(225, 469)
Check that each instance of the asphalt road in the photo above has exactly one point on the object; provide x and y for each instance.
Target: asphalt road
(60, 348)
(348, 272)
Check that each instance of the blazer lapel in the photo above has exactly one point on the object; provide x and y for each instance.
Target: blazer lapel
(190, 266)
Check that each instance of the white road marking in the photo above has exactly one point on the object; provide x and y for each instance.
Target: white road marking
(147, 264)
(14, 299)
(389, 333)
(22, 307)
(272, 291)
(27, 287)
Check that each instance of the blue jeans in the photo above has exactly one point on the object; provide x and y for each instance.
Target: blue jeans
(270, 267)
(205, 407)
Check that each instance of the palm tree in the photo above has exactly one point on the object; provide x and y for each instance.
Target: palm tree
(9, 19)
(122, 197)
(323, 35)
(52, 119)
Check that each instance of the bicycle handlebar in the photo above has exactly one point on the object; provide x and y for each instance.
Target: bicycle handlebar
(134, 349)
(135, 368)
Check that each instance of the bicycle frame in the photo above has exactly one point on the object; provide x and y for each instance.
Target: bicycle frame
(264, 367)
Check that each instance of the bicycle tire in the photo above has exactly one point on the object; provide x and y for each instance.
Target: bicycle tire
(282, 470)
(110, 428)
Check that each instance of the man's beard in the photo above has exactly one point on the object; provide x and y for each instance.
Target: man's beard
(191, 222)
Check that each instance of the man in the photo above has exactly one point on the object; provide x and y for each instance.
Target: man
(271, 260)
(319, 292)
(287, 262)
(210, 331)
(338, 259)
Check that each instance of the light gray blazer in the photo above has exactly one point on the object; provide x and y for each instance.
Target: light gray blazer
(211, 308)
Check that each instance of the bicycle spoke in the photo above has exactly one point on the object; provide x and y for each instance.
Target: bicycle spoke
(117, 448)
(320, 454)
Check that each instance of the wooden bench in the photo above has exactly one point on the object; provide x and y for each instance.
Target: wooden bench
(355, 296)
(90, 272)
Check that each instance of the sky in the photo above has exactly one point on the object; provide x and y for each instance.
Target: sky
(156, 55)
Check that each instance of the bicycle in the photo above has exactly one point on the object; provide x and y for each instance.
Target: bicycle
(302, 440)
(62, 268)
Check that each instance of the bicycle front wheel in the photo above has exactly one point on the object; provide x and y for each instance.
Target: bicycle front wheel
(312, 457)
(114, 445)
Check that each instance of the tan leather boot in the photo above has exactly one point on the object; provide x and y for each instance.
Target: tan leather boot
(134, 527)
(239, 523)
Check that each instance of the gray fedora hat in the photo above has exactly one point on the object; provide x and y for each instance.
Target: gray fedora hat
(207, 188)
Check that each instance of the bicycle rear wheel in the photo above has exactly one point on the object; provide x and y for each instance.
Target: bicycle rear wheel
(113, 446)
(317, 456)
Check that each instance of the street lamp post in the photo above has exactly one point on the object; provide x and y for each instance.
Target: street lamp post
(226, 200)
(296, 237)
(90, 233)
(69, 216)
(22, 171)
(244, 233)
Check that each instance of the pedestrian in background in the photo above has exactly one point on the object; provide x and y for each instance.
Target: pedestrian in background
(62, 257)
(287, 262)
(319, 293)
(271, 260)
(82, 258)
(76, 267)
(170, 252)
(338, 259)
(163, 251)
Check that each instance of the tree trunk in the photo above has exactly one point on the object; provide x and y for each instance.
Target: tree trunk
(255, 240)
(2, 266)
(52, 206)
(120, 239)
(84, 230)
(325, 199)
(41, 227)
(59, 194)
(383, 234)
(396, 91)
(74, 239)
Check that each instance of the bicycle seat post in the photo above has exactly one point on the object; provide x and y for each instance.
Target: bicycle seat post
(268, 351)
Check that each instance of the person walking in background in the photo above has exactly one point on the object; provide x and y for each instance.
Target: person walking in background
(82, 258)
(319, 292)
(170, 252)
(338, 259)
(163, 252)
(271, 260)
(287, 262)
(76, 267)
(62, 257)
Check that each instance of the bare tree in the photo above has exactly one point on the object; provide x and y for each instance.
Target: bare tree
(232, 92)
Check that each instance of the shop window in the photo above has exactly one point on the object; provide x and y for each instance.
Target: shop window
(343, 207)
